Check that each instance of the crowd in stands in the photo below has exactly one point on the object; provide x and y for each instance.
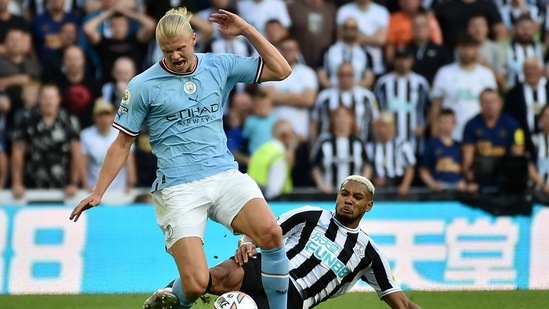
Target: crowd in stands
(428, 93)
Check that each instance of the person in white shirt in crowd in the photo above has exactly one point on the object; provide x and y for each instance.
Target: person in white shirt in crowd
(491, 54)
(258, 12)
(458, 85)
(95, 141)
(373, 22)
(347, 49)
(294, 96)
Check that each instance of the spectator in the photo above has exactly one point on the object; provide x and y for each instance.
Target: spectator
(156, 9)
(95, 141)
(33, 8)
(16, 69)
(429, 57)
(205, 29)
(258, 127)
(489, 137)
(373, 20)
(406, 95)
(347, 49)
(393, 159)
(525, 101)
(46, 147)
(454, 15)
(122, 72)
(240, 106)
(224, 43)
(53, 67)
(293, 96)
(339, 152)
(258, 12)
(122, 42)
(491, 54)
(30, 97)
(78, 87)
(440, 167)
(514, 9)
(4, 108)
(271, 164)
(400, 27)
(46, 26)
(522, 46)
(275, 32)
(9, 21)
(540, 173)
(458, 85)
(314, 27)
(360, 100)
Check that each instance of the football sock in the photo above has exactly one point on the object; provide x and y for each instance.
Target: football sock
(177, 289)
(274, 275)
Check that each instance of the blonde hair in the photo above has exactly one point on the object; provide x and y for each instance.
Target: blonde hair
(362, 180)
(174, 23)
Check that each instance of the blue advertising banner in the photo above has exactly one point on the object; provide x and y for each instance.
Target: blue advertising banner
(431, 246)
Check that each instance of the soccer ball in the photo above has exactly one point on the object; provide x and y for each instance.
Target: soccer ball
(235, 300)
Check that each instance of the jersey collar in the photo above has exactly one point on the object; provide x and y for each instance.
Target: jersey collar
(165, 67)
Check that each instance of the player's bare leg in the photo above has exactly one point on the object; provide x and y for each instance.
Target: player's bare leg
(267, 235)
(193, 270)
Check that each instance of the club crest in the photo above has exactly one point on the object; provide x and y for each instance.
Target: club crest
(189, 87)
(126, 97)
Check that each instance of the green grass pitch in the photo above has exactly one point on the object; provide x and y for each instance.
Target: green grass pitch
(446, 300)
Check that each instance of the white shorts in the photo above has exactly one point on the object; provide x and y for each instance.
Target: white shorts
(182, 210)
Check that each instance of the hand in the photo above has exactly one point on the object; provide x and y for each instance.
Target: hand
(403, 190)
(325, 188)
(243, 252)
(18, 190)
(70, 190)
(229, 23)
(437, 186)
(91, 201)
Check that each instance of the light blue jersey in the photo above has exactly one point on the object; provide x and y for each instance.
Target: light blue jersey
(184, 113)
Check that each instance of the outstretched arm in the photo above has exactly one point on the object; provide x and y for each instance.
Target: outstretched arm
(276, 67)
(114, 160)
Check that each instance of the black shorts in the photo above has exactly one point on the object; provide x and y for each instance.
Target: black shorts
(253, 286)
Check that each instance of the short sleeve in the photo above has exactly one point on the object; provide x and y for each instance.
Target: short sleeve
(242, 69)
(133, 109)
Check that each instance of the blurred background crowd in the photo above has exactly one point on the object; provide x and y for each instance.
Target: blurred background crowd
(433, 94)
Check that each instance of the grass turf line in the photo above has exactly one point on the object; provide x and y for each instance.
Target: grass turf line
(447, 299)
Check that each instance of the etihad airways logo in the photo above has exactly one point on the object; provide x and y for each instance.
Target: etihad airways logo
(195, 115)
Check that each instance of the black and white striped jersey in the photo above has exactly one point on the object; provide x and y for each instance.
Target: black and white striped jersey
(339, 157)
(407, 97)
(361, 100)
(516, 54)
(390, 159)
(339, 53)
(327, 258)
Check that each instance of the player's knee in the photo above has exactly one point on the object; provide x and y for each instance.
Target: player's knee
(271, 237)
(195, 287)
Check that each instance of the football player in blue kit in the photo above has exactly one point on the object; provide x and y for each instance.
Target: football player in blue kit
(181, 100)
